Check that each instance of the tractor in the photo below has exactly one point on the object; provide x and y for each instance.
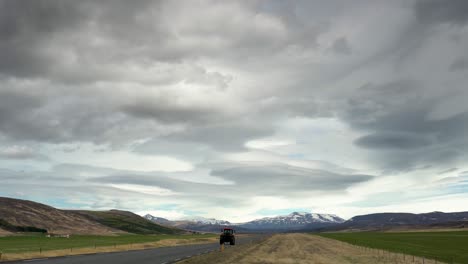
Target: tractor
(227, 235)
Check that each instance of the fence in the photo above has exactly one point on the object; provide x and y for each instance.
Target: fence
(399, 257)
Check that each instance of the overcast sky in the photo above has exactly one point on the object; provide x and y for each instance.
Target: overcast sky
(235, 109)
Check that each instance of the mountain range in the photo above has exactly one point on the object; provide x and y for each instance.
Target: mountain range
(302, 221)
(293, 221)
(27, 216)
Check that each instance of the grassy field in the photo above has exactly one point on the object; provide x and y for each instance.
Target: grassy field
(20, 244)
(444, 246)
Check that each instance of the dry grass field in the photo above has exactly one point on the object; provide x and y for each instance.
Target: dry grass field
(302, 248)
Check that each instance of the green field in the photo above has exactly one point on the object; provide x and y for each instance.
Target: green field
(20, 244)
(444, 246)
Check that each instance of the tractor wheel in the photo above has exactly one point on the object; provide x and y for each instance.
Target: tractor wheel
(233, 242)
(221, 242)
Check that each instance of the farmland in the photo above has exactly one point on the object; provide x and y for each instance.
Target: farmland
(444, 246)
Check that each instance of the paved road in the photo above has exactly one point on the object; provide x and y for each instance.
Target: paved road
(154, 256)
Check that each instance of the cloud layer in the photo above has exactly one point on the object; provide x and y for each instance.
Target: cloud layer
(196, 108)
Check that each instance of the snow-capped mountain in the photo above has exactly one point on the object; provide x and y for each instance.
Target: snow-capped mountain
(193, 223)
(158, 220)
(294, 221)
(205, 221)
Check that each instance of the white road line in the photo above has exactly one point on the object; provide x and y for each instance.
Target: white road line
(30, 260)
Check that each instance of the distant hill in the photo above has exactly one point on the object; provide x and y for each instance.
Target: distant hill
(127, 221)
(26, 216)
(382, 221)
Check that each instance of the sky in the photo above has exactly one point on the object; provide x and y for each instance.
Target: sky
(235, 109)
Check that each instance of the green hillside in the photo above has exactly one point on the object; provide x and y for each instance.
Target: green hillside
(127, 221)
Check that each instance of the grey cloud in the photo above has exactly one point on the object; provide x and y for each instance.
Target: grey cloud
(81, 50)
(169, 112)
(341, 46)
(50, 39)
(434, 11)
(393, 141)
(459, 64)
(225, 136)
(24, 29)
(175, 148)
(157, 78)
(398, 118)
(287, 178)
(448, 171)
(273, 179)
(20, 153)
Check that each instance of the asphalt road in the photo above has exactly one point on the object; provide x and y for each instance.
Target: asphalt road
(154, 256)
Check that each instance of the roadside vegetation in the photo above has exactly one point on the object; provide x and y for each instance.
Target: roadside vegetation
(450, 247)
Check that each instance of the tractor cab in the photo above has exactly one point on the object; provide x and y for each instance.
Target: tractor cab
(227, 235)
(228, 231)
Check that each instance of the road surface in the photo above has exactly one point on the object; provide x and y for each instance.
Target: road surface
(163, 255)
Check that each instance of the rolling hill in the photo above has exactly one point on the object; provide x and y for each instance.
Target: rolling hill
(22, 213)
(25, 216)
